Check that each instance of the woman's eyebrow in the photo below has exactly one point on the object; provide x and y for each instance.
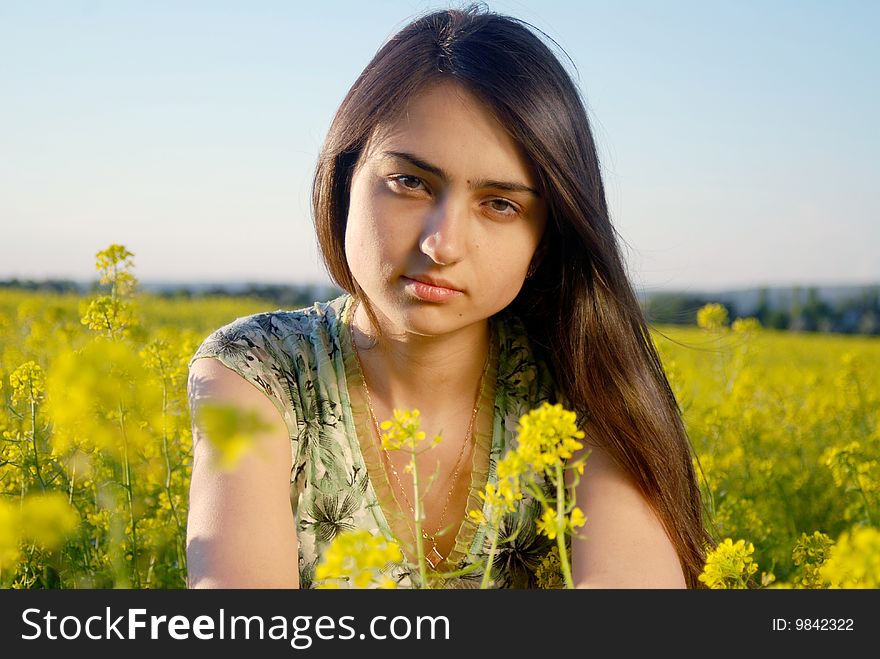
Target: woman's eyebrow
(475, 185)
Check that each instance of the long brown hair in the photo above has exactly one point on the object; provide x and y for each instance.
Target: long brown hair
(579, 308)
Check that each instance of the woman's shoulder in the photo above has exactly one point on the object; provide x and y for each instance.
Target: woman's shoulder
(275, 350)
(273, 333)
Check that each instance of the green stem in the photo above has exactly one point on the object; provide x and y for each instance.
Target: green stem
(417, 505)
(29, 571)
(560, 527)
(84, 543)
(34, 444)
(487, 575)
(24, 472)
(181, 536)
(70, 484)
(126, 476)
(854, 474)
(97, 507)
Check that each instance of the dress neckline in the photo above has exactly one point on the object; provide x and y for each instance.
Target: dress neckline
(379, 491)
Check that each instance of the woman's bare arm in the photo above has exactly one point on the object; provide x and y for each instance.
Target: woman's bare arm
(625, 545)
(240, 530)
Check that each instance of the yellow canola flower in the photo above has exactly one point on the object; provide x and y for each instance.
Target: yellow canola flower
(498, 499)
(167, 354)
(852, 463)
(10, 526)
(746, 325)
(404, 431)
(811, 548)
(44, 519)
(729, 565)
(547, 523)
(508, 490)
(47, 519)
(101, 397)
(359, 558)
(577, 518)
(110, 317)
(115, 265)
(28, 383)
(712, 316)
(159, 357)
(854, 561)
(809, 554)
(548, 436)
(511, 466)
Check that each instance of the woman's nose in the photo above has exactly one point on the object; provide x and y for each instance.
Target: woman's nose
(444, 239)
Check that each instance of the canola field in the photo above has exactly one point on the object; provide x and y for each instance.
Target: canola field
(95, 440)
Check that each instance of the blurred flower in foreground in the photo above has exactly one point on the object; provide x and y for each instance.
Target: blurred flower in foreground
(101, 397)
(232, 432)
(9, 534)
(746, 325)
(712, 316)
(854, 561)
(358, 557)
(45, 520)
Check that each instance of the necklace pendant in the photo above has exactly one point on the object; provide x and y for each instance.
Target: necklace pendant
(434, 557)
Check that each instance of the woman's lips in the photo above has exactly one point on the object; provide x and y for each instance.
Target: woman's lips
(431, 290)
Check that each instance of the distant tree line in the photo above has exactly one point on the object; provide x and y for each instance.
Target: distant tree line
(61, 286)
(803, 311)
(285, 296)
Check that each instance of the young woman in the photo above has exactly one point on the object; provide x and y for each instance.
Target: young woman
(458, 201)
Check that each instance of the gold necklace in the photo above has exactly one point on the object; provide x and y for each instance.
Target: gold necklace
(434, 557)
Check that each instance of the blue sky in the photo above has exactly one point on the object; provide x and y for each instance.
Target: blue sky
(738, 140)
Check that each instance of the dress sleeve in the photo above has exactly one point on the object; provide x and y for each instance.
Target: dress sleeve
(251, 346)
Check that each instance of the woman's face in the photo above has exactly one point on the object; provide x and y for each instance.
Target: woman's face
(444, 215)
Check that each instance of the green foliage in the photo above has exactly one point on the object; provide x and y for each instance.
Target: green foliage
(95, 439)
(786, 429)
(95, 434)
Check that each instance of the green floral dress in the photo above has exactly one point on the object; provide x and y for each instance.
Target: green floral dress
(304, 362)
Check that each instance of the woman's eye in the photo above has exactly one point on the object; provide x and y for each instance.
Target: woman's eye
(407, 182)
(503, 207)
